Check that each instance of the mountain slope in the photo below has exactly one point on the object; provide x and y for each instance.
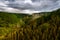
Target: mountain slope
(46, 27)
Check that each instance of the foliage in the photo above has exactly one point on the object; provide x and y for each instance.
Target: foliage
(46, 27)
(6, 19)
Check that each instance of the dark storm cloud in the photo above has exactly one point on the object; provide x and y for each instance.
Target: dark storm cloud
(35, 5)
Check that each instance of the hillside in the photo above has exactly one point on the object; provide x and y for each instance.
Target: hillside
(41, 26)
(9, 21)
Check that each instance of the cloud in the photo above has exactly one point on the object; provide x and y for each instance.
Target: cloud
(29, 6)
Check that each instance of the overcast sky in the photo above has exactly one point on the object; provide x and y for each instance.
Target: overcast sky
(29, 6)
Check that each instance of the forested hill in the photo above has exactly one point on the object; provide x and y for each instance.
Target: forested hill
(45, 17)
(9, 21)
(44, 26)
(10, 18)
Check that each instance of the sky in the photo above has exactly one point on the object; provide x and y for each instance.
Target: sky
(29, 6)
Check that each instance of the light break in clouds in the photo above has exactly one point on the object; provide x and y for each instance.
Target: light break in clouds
(29, 6)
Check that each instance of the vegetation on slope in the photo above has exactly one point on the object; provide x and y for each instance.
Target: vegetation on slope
(46, 27)
(8, 21)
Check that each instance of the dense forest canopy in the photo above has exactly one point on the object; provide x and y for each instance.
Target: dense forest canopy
(44, 27)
